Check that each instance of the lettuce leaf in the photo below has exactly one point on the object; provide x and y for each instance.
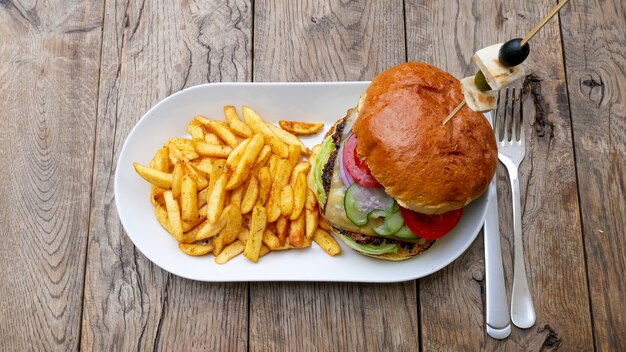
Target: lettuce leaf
(370, 248)
(317, 168)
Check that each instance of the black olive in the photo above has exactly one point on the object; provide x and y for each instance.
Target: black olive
(512, 53)
(481, 82)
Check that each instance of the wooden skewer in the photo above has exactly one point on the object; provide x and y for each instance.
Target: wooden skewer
(524, 41)
(543, 22)
(453, 113)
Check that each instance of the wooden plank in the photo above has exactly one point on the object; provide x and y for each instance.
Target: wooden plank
(150, 50)
(48, 89)
(447, 34)
(595, 53)
(320, 41)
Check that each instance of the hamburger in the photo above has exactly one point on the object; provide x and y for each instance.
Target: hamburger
(389, 177)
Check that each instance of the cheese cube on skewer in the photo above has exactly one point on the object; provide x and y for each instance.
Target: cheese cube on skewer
(497, 75)
(476, 99)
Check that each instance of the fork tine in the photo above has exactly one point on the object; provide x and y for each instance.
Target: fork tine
(514, 105)
(521, 116)
(508, 116)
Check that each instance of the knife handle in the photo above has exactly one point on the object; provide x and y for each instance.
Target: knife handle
(498, 319)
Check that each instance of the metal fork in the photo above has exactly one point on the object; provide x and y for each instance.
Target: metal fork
(511, 150)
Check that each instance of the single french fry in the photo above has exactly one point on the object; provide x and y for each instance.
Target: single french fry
(301, 167)
(273, 203)
(202, 195)
(323, 224)
(215, 202)
(282, 227)
(235, 155)
(202, 210)
(301, 128)
(220, 129)
(288, 138)
(272, 164)
(216, 171)
(203, 166)
(250, 196)
(173, 215)
(204, 230)
(264, 250)
(263, 157)
(161, 160)
(177, 179)
(257, 125)
(156, 195)
(296, 231)
(245, 163)
(229, 233)
(265, 184)
(299, 196)
(213, 150)
(189, 199)
(235, 123)
(190, 225)
(286, 200)
(200, 181)
(255, 240)
(158, 178)
(270, 239)
(236, 196)
(176, 155)
(231, 251)
(283, 171)
(243, 234)
(195, 130)
(294, 155)
(161, 214)
(212, 138)
(185, 146)
(326, 242)
(195, 249)
(311, 214)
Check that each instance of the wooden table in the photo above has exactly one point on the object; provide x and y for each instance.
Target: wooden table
(75, 76)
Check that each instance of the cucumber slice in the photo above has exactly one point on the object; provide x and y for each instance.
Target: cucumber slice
(360, 201)
(405, 232)
(393, 222)
(370, 248)
(375, 214)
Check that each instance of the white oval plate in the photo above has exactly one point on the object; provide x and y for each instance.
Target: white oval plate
(319, 102)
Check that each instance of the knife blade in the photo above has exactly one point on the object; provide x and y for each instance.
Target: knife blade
(498, 319)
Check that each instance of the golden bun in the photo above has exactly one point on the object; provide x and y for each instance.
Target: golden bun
(426, 167)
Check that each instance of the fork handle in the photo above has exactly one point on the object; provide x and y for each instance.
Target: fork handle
(522, 309)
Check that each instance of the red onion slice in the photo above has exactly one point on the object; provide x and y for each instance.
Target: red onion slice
(345, 176)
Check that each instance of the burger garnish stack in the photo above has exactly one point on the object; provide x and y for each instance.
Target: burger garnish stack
(389, 177)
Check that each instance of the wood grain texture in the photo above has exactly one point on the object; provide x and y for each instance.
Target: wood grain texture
(595, 53)
(451, 301)
(152, 49)
(48, 84)
(321, 41)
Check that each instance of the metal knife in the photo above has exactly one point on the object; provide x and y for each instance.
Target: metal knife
(498, 319)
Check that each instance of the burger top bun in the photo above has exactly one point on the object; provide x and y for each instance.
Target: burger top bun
(426, 167)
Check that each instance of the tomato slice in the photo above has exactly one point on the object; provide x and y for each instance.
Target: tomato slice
(356, 167)
(431, 227)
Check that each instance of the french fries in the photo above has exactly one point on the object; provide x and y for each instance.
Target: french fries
(245, 163)
(189, 199)
(311, 214)
(301, 128)
(236, 187)
(252, 250)
(158, 178)
(299, 196)
(327, 242)
(257, 125)
(195, 249)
